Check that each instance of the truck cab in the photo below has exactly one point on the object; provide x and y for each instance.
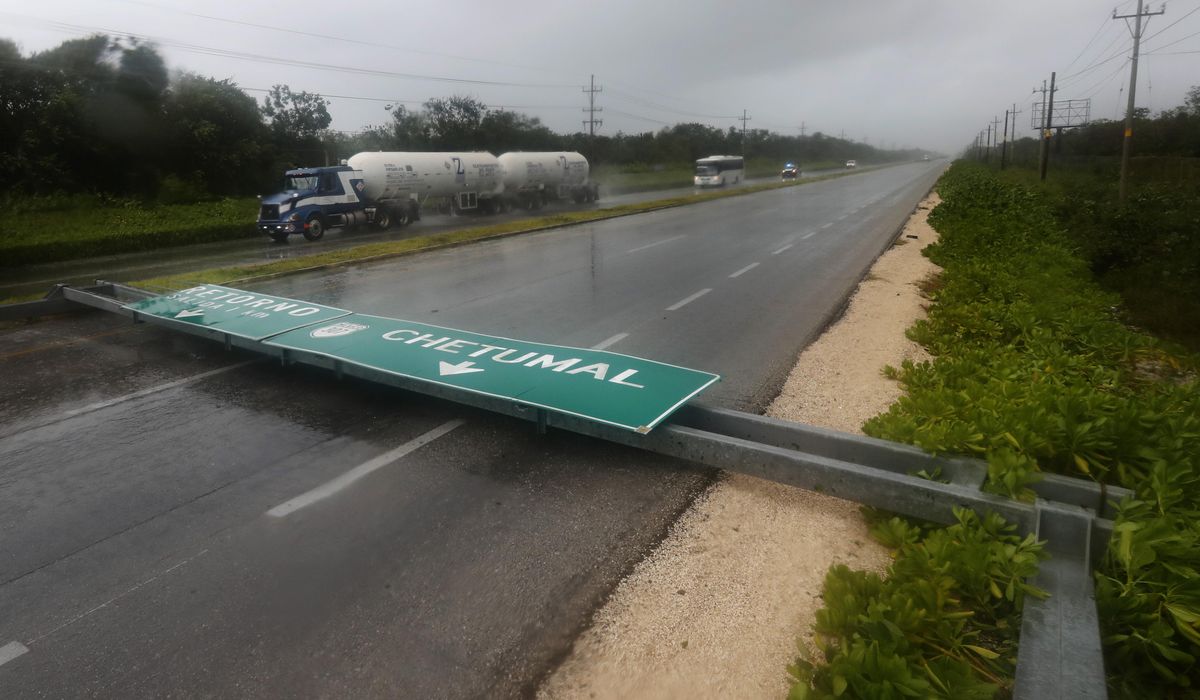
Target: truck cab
(313, 200)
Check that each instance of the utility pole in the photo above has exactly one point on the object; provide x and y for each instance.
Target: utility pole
(744, 118)
(801, 129)
(1127, 144)
(1004, 143)
(1047, 109)
(995, 132)
(592, 122)
(987, 153)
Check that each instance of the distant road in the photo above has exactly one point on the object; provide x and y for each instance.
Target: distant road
(126, 267)
(147, 551)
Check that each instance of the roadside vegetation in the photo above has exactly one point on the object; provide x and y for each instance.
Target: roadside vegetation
(108, 151)
(943, 621)
(1036, 370)
(49, 229)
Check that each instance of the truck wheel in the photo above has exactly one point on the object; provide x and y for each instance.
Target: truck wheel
(402, 217)
(314, 229)
(383, 218)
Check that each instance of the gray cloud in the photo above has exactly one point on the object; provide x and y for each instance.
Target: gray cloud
(927, 73)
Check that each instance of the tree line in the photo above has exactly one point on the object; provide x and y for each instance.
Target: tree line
(1172, 133)
(103, 115)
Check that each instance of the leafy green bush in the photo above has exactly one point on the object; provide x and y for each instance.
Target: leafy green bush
(88, 226)
(1034, 371)
(943, 622)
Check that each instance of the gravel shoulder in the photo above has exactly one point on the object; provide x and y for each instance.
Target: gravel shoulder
(717, 609)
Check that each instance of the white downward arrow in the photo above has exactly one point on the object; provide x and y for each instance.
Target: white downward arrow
(188, 314)
(445, 368)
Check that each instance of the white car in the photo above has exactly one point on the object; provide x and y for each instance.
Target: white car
(852, 164)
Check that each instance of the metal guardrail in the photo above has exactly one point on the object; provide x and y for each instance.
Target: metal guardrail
(1059, 654)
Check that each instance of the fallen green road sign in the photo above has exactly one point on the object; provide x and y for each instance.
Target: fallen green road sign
(234, 312)
(607, 387)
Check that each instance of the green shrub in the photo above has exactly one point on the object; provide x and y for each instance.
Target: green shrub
(1034, 371)
(943, 622)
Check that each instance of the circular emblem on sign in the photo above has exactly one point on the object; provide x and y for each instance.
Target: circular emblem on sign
(332, 331)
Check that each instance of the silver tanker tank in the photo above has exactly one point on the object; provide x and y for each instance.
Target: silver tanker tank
(392, 175)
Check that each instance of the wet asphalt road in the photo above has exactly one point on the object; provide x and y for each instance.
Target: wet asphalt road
(126, 267)
(137, 467)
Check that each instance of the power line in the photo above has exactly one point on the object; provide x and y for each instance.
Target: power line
(1097, 63)
(636, 116)
(1104, 82)
(1182, 39)
(259, 58)
(1172, 24)
(653, 105)
(1103, 24)
(332, 37)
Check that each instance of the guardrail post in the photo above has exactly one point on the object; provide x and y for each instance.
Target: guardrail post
(1059, 653)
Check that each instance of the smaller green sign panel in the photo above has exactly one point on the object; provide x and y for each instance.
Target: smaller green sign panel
(608, 387)
(236, 312)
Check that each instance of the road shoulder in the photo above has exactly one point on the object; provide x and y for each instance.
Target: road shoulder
(717, 609)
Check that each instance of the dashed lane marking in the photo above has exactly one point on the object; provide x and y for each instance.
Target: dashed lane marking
(332, 487)
(119, 596)
(64, 343)
(610, 341)
(684, 302)
(808, 235)
(777, 252)
(130, 397)
(651, 245)
(744, 270)
(10, 651)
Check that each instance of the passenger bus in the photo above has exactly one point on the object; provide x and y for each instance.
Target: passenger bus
(718, 171)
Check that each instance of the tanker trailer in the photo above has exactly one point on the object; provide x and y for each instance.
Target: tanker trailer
(532, 179)
(379, 188)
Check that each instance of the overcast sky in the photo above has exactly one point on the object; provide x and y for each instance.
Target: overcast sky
(919, 73)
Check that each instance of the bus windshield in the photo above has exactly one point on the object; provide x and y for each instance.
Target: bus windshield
(703, 170)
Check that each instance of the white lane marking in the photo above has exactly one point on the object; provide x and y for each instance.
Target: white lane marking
(651, 245)
(744, 270)
(808, 235)
(825, 226)
(610, 342)
(684, 302)
(135, 395)
(777, 252)
(10, 651)
(119, 596)
(329, 488)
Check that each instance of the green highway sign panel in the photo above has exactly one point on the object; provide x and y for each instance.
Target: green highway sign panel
(233, 311)
(607, 387)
